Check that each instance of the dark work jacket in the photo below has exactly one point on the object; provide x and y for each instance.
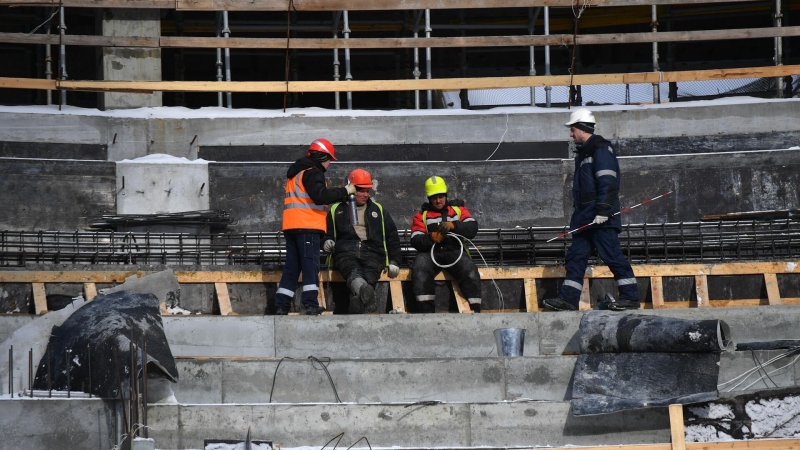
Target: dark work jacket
(347, 239)
(314, 181)
(466, 226)
(595, 185)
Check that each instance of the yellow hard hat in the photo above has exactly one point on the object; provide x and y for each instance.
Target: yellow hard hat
(434, 186)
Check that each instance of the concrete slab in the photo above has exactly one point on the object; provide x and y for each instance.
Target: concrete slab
(399, 336)
(539, 378)
(220, 336)
(56, 424)
(10, 323)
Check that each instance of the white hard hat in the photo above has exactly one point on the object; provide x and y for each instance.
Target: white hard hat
(581, 115)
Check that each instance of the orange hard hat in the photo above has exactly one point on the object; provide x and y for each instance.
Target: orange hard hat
(323, 146)
(360, 178)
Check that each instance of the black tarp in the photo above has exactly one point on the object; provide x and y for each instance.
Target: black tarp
(631, 361)
(106, 323)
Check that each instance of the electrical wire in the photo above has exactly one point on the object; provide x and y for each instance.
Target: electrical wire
(324, 366)
(761, 368)
(340, 435)
(501, 140)
(359, 440)
(275, 376)
(43, 23)
(742, 378)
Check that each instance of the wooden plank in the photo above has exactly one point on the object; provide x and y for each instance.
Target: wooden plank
(676, 427)
(755, 444)
(701, 291)
(531, 296)
(89, 291)
(773, 293)
(396, 291)
(735, 303)
(162, 4)
(398, 42)
(223, 299)
(461, 301)
(586, 296)
(657, 292)
(39, 298)
(35, 276)
(321, 295)
(396, 85)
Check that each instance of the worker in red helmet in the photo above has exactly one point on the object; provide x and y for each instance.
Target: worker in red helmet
(304, 212)
(364, 249)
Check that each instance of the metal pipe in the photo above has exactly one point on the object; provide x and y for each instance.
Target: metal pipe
(144, 385)
(227, 32)
(428, 55)
(89, 359)
(48, 67)
(547, 89)
(219, 60)
(347, 75)
(63, 56)
(69, 371)
(11, 370)
(30, 371)
(417, 73)
(336, 16)
(49, 375)
(779, 45)
(531, 29)
(654, 28)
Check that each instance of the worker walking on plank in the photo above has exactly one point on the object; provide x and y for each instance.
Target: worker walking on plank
(433, 235)
(304, 212)
(364, 247)
(595, 199)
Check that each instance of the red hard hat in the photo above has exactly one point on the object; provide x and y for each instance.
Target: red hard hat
(360, 178)
(323, 146)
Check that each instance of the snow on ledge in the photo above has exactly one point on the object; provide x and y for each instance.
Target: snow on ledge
(161, 158)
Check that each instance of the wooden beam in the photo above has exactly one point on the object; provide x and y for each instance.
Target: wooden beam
(461, 301)
(321, 300)
(586, 296)
(657, 292)
(754, 444)
(773, 293)
(147, 4)
(89, 291)
(396, 85)
(676, 427)
(701, 291)
(223, 299)
(396, 291)
(531, 296)
(39, 298)
(389, 43)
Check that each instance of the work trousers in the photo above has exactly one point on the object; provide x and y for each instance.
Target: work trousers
(465, 272)
(302, 256)
(606, 241)
(354, 260)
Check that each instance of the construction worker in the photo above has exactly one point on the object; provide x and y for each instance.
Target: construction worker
(364, 249)
(431, 229)
(595, 199)
(304, 212)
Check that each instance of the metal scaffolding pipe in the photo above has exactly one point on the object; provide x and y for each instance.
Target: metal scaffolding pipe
(654, 25)
(779, 46)
(48, 67)
(347, 76)
(336, 16)
(219, 60)
(62, 28)
(417, 73)
(531, 29)
(547, 89)
(428, 55)
(227, 32)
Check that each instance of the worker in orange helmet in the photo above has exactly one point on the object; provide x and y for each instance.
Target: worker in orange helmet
(364, 249)
(304, 212)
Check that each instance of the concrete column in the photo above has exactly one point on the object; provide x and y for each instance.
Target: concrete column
(125, 63)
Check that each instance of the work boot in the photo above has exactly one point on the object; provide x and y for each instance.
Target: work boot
(365, 293)
(314, 310)
(281, 312)
(427, 307)
(610, 303)
(475, 307)
(558, 304)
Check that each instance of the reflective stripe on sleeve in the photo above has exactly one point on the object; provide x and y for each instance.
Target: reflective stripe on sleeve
(601, 173)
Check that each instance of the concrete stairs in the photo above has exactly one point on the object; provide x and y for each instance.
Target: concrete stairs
(405, 381)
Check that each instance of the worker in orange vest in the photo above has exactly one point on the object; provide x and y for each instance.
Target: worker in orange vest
(304, 223)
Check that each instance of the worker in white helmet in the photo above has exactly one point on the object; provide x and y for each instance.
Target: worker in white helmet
(595, 199)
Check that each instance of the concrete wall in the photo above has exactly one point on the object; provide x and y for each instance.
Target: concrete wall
(156, 185)
(637, 129)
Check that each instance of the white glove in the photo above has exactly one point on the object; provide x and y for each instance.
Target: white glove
(393, 270)
(351, 189)
(600, 219)
(328, 246)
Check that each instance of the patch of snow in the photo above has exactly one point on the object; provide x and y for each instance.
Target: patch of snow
(791, 266)
(705, 433)
(775, 417)
(712, 411)
(238, 446)
(178, 310)
(161, 158)
(695, 335)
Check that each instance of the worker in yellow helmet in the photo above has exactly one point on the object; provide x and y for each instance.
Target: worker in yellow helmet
(438, 250)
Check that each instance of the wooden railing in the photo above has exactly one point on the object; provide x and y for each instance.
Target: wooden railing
(528, 275)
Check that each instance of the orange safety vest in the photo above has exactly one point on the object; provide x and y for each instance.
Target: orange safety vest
(299, 211)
